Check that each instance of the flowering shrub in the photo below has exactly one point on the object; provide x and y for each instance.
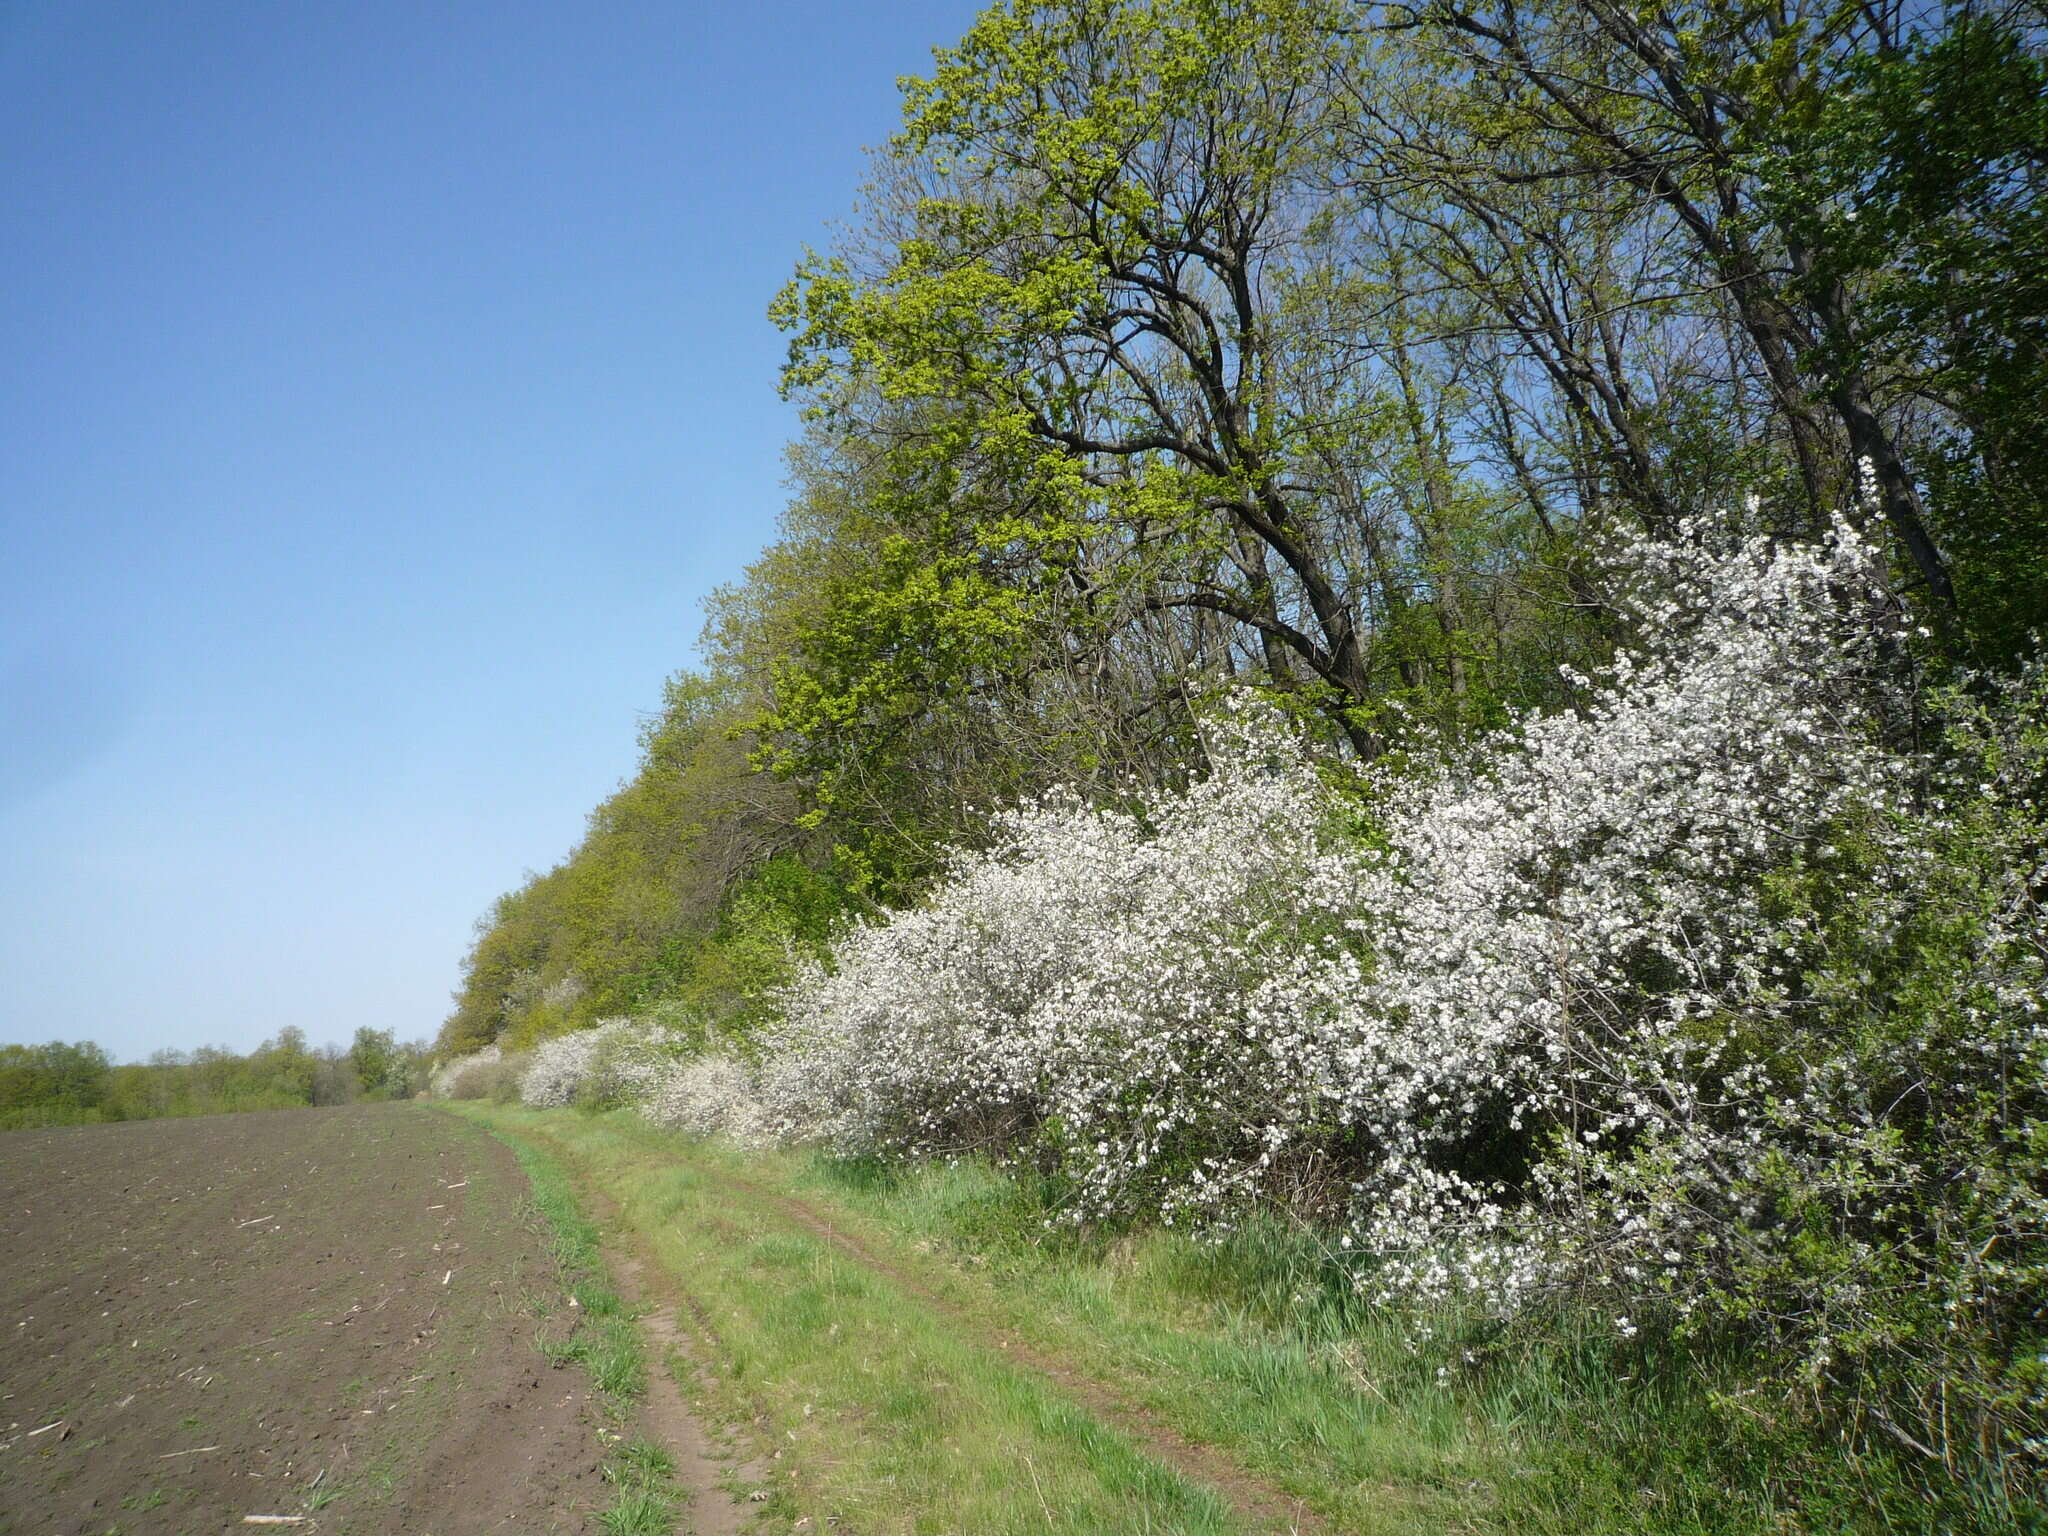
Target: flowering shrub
(626, 1059)
(1112, 988)
(557, 1069)
(924, 1036)
(497, 1080)
(1576, 960)
(710, 1096)
(640, 1065)
(613, 1063)
(442, 1080)
(1679, 997)
(1224, 990)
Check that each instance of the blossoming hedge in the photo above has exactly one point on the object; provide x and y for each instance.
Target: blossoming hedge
(1716, 999)
(1701, 998)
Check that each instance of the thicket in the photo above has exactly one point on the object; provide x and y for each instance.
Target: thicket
(1426, 616)
(78, 1084)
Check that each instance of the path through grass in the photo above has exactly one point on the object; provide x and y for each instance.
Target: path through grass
(646, 1499)
(924, 1364)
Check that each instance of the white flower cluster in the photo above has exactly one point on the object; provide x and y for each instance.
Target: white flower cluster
(615, 1061)
(637, 1064)
(557, 1069)
(710, 1096)
(1443, 1025)
(1574, 946)
(441, 1081)
(1097, 981)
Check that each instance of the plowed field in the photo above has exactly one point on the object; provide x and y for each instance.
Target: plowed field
(313, 1313)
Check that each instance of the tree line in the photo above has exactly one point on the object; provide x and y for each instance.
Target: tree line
(1602, 447)
(1179, 346)
(62, 1083)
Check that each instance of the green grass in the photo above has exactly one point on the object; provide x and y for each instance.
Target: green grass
(640, 1512)
(560, 1352)
(1262, 1341)
(640, 1461)
(900, 1416)
(614, 1360)
(605, 1340)
(1259, 1344)
(646, 1505)
(890, 1416)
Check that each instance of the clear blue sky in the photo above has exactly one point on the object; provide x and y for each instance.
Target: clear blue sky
(382, 386)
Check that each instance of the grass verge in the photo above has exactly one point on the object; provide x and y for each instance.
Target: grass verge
(899, 1386)
(1262, 1342)
(603, 1338)
(885, 1415)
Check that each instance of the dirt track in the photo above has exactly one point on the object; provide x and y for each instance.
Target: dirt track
(304, 1312)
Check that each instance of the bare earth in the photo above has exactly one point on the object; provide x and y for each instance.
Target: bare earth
(319, 1313)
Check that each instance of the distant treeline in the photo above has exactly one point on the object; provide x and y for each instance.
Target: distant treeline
(78, 1084)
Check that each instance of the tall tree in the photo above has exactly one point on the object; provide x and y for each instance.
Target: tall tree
(1708, 122)
(1112, 199)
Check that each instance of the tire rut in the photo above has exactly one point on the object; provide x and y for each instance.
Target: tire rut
(700, 1462)
(1250, 1496)
(664, 1414)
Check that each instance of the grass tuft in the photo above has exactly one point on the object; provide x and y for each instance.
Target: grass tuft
(638, 1462)
(640, 1512)
(615, 1362)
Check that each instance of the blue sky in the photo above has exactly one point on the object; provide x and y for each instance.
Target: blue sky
(382, 386)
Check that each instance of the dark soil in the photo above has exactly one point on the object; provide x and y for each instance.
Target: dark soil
(323, 1313)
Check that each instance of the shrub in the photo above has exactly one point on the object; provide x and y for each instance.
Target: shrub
(614, 1064)
(713, 1095)
(625, 1058)
(923, 1035)
(556, 1069)
(496, 1079)
(442, 1078)
(1711, 999)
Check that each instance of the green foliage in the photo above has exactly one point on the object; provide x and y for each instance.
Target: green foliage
(381, 1068)
(1923, 1287)
(59, 1084)
(58, 1080)
(718, 980)
(1914, 177)
(1186, 345)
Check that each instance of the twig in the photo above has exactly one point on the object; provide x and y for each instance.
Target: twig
(1038, 1490)
(195, 1451)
